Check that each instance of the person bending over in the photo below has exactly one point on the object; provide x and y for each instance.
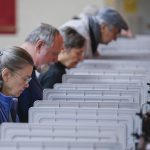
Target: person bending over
(16, 67)
(69, 57)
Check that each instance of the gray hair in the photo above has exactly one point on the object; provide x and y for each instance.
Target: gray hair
(14, 58)
(44, 32)
(111, 17)
(104, 22)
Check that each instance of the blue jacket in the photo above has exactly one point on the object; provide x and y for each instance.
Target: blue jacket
(28, 97)
(8, 109)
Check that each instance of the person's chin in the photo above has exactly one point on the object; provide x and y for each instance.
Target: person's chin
(19, 93)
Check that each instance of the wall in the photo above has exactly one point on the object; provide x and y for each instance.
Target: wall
(138, 19)
(32, 12)
(56, 12)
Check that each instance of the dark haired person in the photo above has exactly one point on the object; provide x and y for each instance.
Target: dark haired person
(69, 57)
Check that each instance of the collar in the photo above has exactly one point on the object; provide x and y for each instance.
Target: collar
(95, 35)
(60, 65)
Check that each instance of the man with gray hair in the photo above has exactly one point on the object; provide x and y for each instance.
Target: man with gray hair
(68, 58)
(44, 44)
(102, 28)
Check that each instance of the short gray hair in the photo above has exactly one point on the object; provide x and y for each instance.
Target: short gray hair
(111, 17)
(104, 22)
(44, 32)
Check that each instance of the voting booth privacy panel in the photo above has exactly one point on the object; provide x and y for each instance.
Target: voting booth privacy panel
(94, 108)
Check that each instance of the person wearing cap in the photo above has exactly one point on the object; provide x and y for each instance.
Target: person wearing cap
(100, 29)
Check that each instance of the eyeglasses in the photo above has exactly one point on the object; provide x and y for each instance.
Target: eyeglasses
(25, 79)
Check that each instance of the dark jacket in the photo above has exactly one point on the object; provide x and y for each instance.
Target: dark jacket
(52, 76)
(25, 101)
(8, 109)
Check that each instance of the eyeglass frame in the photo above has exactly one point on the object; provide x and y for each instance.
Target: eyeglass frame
(27, 80)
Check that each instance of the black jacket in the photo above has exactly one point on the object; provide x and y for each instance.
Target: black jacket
(28, 97)
(52, 76)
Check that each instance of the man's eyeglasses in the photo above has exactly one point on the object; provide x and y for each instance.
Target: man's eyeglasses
(25, 79)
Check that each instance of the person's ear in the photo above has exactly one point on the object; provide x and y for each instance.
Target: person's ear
(39, 45)
(6, 74)
(103, 27)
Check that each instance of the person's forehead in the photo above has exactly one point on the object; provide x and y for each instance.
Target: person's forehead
(77, 50)
(59, 38)
(58, 42)
(26, 70)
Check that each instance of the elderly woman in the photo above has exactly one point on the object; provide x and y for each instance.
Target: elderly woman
(16, 67)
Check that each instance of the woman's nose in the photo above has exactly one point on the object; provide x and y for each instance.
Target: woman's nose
(26, 85)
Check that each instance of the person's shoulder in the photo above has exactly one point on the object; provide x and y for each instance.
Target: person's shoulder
(75, 23)
(52, 71)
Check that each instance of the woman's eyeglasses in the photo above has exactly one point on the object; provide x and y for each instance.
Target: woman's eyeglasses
(25, 79)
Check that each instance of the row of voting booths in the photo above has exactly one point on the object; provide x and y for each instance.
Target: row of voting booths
(96, 107)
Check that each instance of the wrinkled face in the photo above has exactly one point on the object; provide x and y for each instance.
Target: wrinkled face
(72, 57)
(108, 34)
(76, 55)
(50, 54)
(14, 83)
